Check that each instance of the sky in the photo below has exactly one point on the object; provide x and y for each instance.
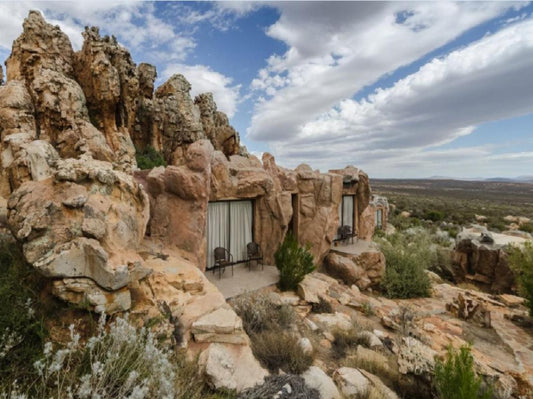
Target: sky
(399, 89)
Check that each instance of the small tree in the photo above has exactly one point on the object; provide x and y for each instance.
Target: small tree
(455, 378)
(293, 263)
(407, 257)
(149, 158)
(521, 261)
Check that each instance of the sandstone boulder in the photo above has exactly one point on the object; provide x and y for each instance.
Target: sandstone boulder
(415, 358)
(331, 321)
(311, 288)
(231, 366)
(351, 382)
(365, 268)
(484, 263)
(87, 220)
(317, 379)
(221, 325)
(86, 292)
(178, 198)
(378, 386)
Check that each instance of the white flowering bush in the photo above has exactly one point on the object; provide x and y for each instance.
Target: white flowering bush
(121, 362)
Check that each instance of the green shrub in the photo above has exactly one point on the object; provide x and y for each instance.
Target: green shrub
(407, 257)
(323, 306)
(258, 313)
(345, 339)
(455, 378)
(527, 227)
(281, 350)
(434, 216)
(521, 261)
(22, 330)
(149, 158)
(293, 263)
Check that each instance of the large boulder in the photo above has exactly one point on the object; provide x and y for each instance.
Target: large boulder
(364, 268)
(85, 291)
(317, 379)
(481, 257)
(352, 383)
(231, 367)
(221, 325)
(85, 221)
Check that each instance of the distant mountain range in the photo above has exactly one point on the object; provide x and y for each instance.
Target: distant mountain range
(519, 179)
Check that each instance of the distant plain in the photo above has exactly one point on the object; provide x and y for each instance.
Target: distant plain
(459, 201)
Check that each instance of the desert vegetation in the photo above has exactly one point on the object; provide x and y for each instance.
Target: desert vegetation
(22, 332)
(293, 262)
(119, 360)
(457, 202)
(408, 256)
(269, 328)
(455, 377)
(521, 260)
(149, 158)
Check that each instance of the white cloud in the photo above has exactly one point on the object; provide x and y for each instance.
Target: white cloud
(222, 15)
(135, 24)
(204, 79)
(445, 99)
(335, 49)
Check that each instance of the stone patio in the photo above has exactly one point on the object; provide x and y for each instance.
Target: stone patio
(243, 279)
(356, 248)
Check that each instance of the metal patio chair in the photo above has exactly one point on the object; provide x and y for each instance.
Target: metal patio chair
(253, 251)
(223, 258)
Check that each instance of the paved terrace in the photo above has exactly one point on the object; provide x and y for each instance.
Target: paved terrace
(243, 279)
(357, 248)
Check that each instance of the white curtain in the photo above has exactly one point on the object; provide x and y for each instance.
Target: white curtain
(241, 228)
(217, 229)
(347, 212)
(229, 225)
(379, 218)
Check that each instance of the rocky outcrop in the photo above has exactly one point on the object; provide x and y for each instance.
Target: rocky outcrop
(208, 327)
(84, 221)
(42, 61)
(363, 266)
(481, 257)
(216, 125)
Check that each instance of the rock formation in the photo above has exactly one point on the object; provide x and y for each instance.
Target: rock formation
(89, 220)
(480, 257)
(365, 267)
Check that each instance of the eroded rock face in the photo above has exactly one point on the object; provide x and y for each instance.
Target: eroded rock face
(108, 76)
(364, 268)
(482, 261)
(85, 221)
(179, 197)
(40, 46)
(216, 125)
